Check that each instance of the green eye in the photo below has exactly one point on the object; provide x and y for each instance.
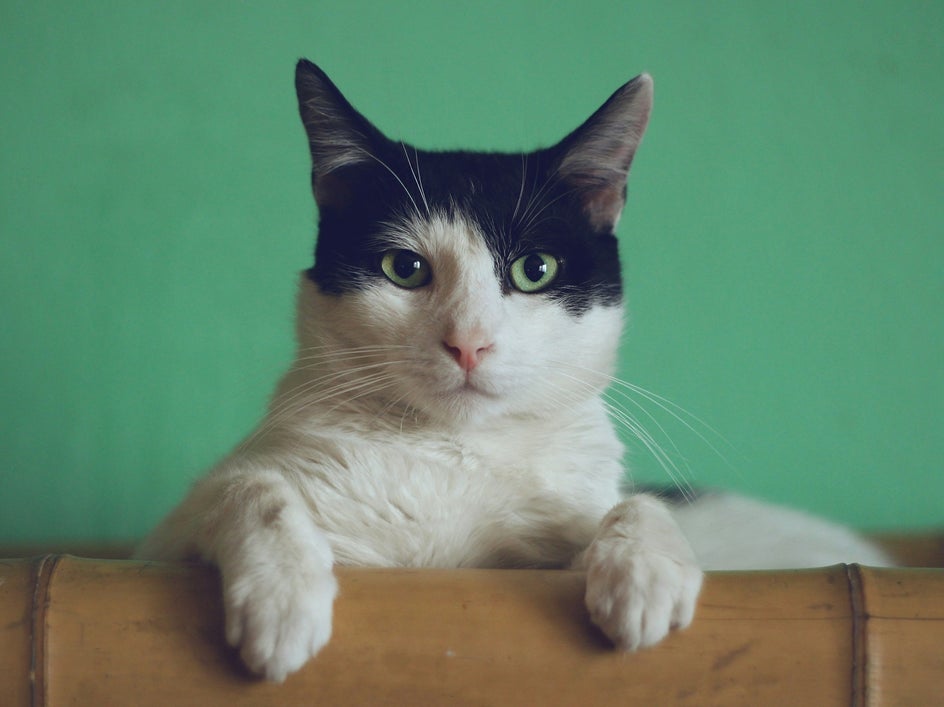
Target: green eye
(534, 272)
(405, 268)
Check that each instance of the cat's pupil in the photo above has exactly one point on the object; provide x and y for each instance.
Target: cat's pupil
(405, 264)
(535, 268)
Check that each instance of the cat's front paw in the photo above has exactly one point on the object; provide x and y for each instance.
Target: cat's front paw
(642, 578)
(279, 622)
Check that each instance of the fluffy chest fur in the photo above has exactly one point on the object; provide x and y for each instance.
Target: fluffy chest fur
(528, 494)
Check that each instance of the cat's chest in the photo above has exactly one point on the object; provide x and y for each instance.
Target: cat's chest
(526, 496)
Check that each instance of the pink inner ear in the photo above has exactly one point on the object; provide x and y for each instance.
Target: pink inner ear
(599, 153)
(603, 207)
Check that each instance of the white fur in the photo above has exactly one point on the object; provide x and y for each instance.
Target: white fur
(731, 532)
(380, 450)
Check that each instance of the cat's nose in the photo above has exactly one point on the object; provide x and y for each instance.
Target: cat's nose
(467, 352)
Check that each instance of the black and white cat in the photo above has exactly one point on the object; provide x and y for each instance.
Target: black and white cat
(455, 336)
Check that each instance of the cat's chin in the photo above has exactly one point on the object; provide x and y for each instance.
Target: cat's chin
(462, 404)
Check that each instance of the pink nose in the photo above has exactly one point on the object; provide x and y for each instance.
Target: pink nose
(467, 353)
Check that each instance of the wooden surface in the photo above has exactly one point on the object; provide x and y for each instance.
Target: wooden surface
(16, 631)
(94, 632)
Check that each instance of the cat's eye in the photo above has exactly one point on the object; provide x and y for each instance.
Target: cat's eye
(405, 268)
(534, 272)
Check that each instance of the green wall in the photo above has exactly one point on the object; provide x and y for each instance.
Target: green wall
(783, 240)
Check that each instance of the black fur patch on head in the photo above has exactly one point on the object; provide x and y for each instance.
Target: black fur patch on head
(563, 200)
(516, 201)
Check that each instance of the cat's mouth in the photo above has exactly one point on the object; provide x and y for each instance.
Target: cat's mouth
(458, 393)
(470, 388)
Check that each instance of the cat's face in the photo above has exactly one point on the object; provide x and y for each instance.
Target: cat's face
(466, 286)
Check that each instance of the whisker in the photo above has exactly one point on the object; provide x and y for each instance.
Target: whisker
(622, 390)
(536, 199)
(535, 193)
(679, 414)
(342, 393)
(680, 479)
(368, 386)
(671, 408)
(632, 424)
(416, 175)
(564, 399)
(533, 219)
(524, 176)
(383, 164)
(312, 360)
(338, 377)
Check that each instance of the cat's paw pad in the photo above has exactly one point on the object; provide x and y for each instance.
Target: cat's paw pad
(279, 622)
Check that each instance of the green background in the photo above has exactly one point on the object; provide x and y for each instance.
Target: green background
(783, 239)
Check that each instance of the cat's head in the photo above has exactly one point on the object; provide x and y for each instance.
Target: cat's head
(465, 285)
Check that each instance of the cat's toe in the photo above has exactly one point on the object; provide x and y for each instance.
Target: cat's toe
(642, 578)
(636, 601)
(278, 627)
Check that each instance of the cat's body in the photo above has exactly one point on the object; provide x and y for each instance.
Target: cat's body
(444, 410)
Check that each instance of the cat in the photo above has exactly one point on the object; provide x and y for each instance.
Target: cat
(455, 337)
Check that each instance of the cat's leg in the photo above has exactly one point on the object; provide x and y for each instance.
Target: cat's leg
(642, 577)
(276, 566)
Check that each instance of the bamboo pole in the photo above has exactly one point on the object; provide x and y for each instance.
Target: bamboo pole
(95, 632)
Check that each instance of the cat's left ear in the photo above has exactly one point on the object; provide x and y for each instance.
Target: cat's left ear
(596, 157)
(339, 137)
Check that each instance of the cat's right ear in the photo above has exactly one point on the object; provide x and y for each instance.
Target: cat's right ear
(338, 136)
(596, 157)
